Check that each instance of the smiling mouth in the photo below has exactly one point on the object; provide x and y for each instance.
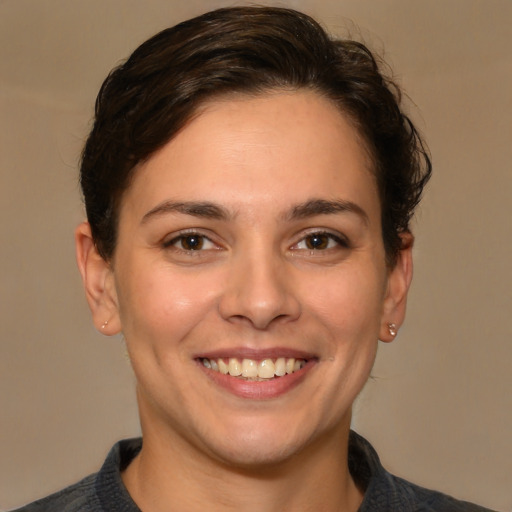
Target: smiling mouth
(253, 370)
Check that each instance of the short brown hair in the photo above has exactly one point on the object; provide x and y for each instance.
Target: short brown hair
(145, 102)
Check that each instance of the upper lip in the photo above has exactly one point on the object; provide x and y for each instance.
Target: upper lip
(255, 354)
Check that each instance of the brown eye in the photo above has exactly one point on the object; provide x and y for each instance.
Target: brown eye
(192, 242)
(317, 241)
(321, 241)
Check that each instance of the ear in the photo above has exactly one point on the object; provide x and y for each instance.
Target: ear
(98, 281)
(399, 281)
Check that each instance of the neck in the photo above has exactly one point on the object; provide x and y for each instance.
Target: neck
(170, 475)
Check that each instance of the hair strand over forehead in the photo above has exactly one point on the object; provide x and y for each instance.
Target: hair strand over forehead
(147, 100)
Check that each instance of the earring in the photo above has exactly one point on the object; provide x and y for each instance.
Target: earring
(104, 324)
(392, 329)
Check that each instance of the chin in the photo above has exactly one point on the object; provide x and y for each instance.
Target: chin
(262, 445)
(256, 455)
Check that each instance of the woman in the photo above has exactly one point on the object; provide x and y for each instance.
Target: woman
(249, 185)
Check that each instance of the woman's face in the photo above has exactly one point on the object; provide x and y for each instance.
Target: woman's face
(252, 241)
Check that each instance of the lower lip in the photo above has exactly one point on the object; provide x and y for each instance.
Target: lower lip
(258, 390)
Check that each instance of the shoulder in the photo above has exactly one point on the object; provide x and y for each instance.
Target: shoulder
(100, 492)
(385, 492)
(400, 495)
(80, 497)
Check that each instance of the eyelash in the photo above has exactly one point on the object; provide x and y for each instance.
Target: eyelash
(200, 240)
(339, 241)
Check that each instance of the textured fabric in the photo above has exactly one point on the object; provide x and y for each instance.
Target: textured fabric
(101, 492)
(105, 492)
(388, 493)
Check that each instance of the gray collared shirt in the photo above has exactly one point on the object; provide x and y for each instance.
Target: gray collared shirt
(105, 492)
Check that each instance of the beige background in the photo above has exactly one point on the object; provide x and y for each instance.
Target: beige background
(439, 409)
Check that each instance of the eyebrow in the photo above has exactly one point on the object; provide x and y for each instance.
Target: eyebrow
(314, 207)
(204, 209)
(209, 210)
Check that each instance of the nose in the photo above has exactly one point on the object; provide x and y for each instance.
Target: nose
(259, 290)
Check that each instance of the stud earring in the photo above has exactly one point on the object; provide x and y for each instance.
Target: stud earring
(104, 324)
(392, 329)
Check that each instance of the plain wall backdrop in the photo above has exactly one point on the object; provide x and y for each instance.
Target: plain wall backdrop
(439, 408)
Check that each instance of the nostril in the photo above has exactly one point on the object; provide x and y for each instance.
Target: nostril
(259, 293)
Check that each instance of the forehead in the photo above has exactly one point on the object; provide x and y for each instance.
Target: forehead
(257, 151)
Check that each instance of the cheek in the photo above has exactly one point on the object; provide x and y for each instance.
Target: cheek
(163, 306)
(349, 301)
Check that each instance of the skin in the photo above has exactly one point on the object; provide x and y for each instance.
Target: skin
(264, 165)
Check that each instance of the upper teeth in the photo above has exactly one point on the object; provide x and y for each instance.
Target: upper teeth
(251, 369)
